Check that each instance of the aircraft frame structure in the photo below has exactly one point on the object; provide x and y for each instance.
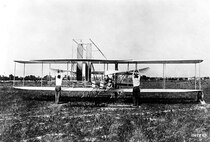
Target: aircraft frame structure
(106, 64)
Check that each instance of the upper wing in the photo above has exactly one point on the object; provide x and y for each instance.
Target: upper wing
(168, 62)
(95, 61)
(100, 61)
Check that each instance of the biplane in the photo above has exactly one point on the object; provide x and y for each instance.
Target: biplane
(117, 89)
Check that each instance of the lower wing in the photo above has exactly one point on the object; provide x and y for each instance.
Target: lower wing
(126, 90)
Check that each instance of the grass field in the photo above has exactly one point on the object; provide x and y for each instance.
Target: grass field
(33, 116)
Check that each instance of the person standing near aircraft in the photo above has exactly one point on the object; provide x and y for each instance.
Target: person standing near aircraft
(136, 87)
(58, 83)
(109, 84)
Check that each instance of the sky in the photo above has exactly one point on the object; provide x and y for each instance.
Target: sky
(123, 29)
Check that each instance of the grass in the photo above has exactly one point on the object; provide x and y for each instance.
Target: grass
(32, 116)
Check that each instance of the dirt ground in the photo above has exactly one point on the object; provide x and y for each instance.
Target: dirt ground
(32, 117)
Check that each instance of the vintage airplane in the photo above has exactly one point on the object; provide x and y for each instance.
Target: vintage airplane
(116, 87)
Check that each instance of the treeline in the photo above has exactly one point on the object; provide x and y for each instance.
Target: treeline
(48, 77)
(28, 77)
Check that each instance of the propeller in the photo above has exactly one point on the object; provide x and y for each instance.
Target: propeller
(61, 70)
(142, 70)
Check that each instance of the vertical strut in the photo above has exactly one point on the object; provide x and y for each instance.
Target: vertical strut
(24, 68)
(42, 75)
(71, 75)
(199, 77)
(104, 67)
(14, 75)
(195, 77)
(164, 80)
(127, 75)
(136, 66)
(128, 67)
(67, 67)
(50, 73)
(89, 72)
(115, 76)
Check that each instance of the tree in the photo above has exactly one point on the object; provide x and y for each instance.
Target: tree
(11, 77)
(31, 77)
(47, 77)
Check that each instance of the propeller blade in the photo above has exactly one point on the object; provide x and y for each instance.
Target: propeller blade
(61, 70)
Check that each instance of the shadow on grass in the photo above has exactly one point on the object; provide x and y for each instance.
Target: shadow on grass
(107, 100)
(151, 98)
